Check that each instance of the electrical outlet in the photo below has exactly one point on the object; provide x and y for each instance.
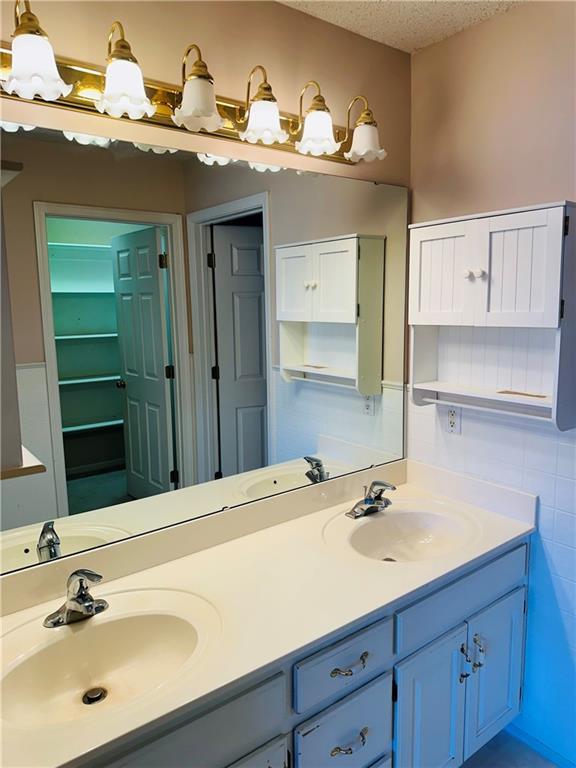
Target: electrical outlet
(368, 409)
(454, 420)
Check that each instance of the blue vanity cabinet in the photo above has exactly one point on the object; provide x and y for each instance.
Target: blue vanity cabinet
(431, 699)
(494, 688)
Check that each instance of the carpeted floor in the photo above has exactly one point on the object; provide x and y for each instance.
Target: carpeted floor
(97, 491)
(504, 751)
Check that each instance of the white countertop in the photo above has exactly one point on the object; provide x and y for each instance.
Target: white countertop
(274, 591)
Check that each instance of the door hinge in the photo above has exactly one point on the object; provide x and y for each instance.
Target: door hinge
(525, 605)
(169, 372)
(211, 260)
(218, 475)
(174, 476)
(562, 305)
(163, 260)
(394, 690)
(566, 225)
(357, 311)
(216, 372)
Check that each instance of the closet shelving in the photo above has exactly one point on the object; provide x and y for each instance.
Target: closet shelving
(493, 315)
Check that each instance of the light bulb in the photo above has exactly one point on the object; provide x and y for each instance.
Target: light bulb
(214, 159)
(318, 135)
(264, 167)
(14, 127)
(197, 110)
(365, 144)
(34, 72)
(87, 139)
(154, 148)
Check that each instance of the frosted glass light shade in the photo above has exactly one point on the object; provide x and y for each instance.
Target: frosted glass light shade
(318, 135)
(34, 71)
(214, 159)
(13, 127)
(198, 110)
(365, 145)
(87, 139)
(154, 148)
(264, 124)
(264, 167)
(124, 92)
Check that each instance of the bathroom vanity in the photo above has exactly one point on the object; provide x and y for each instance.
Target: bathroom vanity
(394, 639)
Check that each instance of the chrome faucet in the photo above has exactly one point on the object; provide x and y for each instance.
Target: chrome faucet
(48, 547)
(373, 501)
(79, 605)
(317, 472)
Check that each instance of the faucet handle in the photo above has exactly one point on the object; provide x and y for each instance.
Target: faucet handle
(48, 533)
(314, 461)
(77, 581)
(377, 488)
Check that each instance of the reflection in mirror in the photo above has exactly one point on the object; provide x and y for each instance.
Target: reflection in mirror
(229, 331)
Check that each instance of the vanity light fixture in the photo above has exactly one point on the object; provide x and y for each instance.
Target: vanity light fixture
(154, 148)
(197, 110)
(261, 114)
(87, 139)
(124, 85)
(214, 159)
(365, 142)
(318, 132)
(14, 127)
(34, 71)
(264, 167)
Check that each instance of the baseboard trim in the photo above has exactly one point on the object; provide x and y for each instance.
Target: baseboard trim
(538, 746)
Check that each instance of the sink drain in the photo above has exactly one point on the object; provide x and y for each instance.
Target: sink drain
(94, 695)
(389, 559)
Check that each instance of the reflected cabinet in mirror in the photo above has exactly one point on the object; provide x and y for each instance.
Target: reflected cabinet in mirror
(215, 333)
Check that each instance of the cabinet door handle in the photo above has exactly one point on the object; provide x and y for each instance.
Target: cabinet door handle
(352, 669)
(314, 284)
(479, 273)
(467, 274)
(307, 284)
(480, 652)
(357, 744)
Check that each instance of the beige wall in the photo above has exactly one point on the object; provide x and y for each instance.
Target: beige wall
(313, 207)
(234, 36)
(68, 173)
(493, 114)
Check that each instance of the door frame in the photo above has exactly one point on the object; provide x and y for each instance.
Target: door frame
(184, 418)
(199, 223)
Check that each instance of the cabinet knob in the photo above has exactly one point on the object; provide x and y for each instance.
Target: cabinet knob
(314, 284)
(307, 284)
(480, 273)
(467, 274)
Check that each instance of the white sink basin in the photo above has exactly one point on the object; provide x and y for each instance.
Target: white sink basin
(144, 641)
(405, 532)
(18, 547)
(277, 480)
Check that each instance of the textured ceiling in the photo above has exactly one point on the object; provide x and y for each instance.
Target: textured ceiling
(405, 24)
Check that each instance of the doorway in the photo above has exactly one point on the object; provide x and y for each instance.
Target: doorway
(112, 332)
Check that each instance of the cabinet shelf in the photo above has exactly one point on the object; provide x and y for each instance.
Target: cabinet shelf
(502, 395)
(86, 336)
(88, 380)
(93, 425)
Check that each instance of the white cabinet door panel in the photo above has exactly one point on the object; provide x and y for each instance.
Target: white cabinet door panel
(495, 642)
(429, 723)
(334, 286)
(442, 260)
(522, 266)
(294, 278)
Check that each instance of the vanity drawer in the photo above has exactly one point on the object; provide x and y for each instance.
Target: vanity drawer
(428, 619)
(220, 736)
(344, 666)
(353, 733)
(271, 755)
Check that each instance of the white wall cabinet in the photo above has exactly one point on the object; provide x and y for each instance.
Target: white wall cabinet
(493, 313)
(454, 659)
(330, 306)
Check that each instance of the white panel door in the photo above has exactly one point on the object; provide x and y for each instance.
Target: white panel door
(429, 722)
(294, 277)
(334, 287)
(442, 282)
(143, 342)
(241, 342)
(495, 642)
(521, 268)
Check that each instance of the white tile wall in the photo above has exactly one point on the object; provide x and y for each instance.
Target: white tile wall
(537, 458)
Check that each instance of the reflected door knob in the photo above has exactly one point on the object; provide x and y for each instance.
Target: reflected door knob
(467, 274)
(121, 384)
(479, 273)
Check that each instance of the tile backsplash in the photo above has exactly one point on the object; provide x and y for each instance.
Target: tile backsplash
(535, 457)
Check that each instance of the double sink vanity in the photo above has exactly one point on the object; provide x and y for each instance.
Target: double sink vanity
(303, 637)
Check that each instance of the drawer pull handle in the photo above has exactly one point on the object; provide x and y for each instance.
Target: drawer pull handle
(352, 669)
(351, 748)
(481, 650)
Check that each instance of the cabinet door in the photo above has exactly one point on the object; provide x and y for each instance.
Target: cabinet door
(442, 282)
(495, 643)
(271, 755)
(429, 723)
(334, 287)
(521, 269)
(294, 278)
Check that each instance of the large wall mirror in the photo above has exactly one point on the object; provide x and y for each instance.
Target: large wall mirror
(218, 333)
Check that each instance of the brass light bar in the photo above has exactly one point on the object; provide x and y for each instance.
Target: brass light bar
(88, 81)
